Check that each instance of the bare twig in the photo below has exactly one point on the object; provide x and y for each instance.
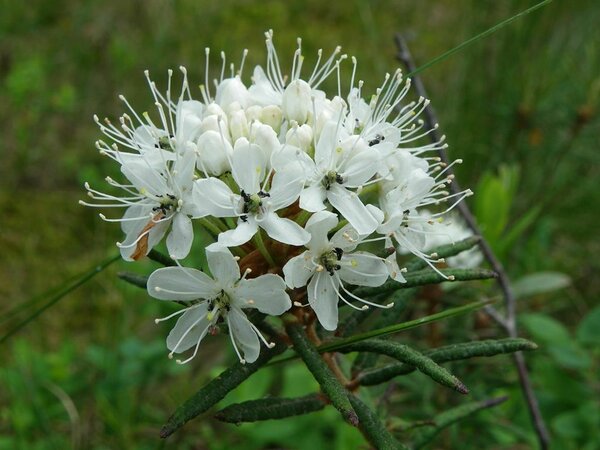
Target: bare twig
(508, 322)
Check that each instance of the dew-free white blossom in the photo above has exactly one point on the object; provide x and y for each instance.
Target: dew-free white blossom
(268, 164)
(223, 296)
(329, 263)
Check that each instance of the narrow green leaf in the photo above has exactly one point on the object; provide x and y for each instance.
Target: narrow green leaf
(271, 408)
(445, 251)
(372, 427)
(330, 385)
(61, 294)
(452, 312)
(451, 416)
(474, 39)
(423, 277)
(387, 318)
(341, 343)
(217, 389)
(157, 256)
(447, 353)
(411, 357)
(133, 278)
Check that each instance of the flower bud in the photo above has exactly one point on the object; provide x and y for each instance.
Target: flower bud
(238, 125)
(231, 90)
(265, 137)
(272, 116)
(253, 113)
(296, 103)
(213, 152)
(189, 118)
(301, 137)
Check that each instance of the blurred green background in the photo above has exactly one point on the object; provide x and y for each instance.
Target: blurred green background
(520, 107)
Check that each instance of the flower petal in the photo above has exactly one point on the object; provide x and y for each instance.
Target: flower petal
(248, 166)
(244, 334)
(319, 226)
(312, 197)
(179, 241)
(363, 269)
(283, 230)
(214, 198)
(180, 283)
(352, 208)
(189, 329)
(323, 299)
(286, 186)
(240, 235)
(223, 266)
(265, 293)
(298, 270)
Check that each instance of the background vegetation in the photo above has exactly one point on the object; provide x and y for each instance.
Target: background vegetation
(521, 109)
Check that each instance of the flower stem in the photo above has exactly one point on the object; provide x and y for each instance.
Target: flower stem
(260, 245)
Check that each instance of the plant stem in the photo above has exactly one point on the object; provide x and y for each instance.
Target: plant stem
(260, 245)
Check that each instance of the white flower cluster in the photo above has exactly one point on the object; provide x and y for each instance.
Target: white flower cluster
(290, 181)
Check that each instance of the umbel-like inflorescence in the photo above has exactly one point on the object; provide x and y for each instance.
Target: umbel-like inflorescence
(309, 193)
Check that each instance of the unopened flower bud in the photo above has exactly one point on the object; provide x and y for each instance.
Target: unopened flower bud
(231, 90)
(272, 115)
(238, 125)
(296, 103)
(300, 136)
(213, 152)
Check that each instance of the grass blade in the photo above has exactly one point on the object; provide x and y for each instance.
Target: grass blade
(60, 294)
(476, 38)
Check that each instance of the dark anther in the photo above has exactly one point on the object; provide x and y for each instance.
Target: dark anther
(244, 217)
(338, 252)
(245, 196)
(377, 140)
(262, 194)
(338, 178)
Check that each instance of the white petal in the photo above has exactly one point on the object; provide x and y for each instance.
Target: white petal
(298, 270)
(145, 178)
(286, 187)
(290, 154)
(214, 198)
(179, 241)
(363, 269)
(240, 235)
(244, 335)
(360, 168)
(138, 210)
(261, 91)
(394, 269)
(323, 299)
(189, 329)
(283, 230)
(180, 283)
(312, 197)
(265, 293)
(326, 146)
(319, 226)
(214, 153)
(352, 208)
(248, 166)
(346, 238)
(223, 266)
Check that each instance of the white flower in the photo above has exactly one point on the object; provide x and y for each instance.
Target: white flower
(164, 197)
(341, 164)
(327, 264)
(224, 296)
(256, 205)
